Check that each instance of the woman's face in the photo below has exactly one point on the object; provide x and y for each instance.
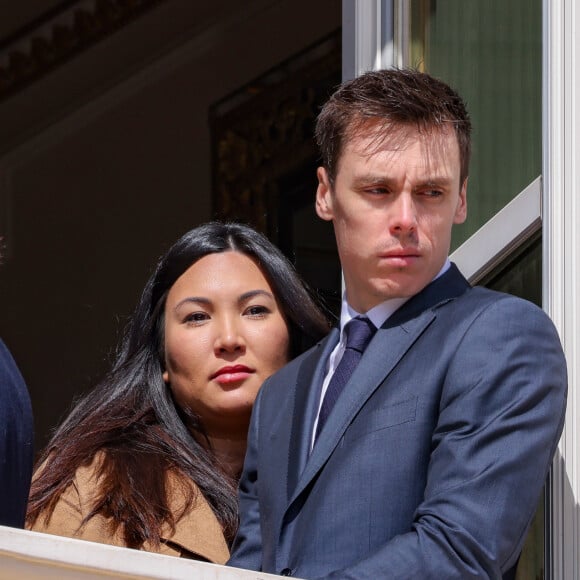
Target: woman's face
(224, 335)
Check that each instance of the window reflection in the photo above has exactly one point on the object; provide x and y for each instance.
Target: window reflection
(491, 52)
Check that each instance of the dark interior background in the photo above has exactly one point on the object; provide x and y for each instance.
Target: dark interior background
(109, 113)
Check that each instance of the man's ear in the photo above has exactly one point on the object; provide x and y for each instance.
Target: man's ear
(324, 195)
(461, 209)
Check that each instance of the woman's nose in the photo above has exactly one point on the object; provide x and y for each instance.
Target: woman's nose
(229, 337)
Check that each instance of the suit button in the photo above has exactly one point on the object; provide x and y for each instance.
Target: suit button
(286, 572)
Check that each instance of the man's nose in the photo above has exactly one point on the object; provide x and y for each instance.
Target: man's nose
(403, 215)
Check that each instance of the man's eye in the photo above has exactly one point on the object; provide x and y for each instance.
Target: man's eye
(377, 190)
(432, 193)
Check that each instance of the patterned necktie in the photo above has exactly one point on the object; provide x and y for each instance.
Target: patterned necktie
(359, 332)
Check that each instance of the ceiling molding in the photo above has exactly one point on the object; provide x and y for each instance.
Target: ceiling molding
(59, 35)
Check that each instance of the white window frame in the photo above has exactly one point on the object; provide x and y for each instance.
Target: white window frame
(561, 261)
(504, 233)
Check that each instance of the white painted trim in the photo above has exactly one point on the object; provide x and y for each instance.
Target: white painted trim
(367, 28)
(501, 235)
(33, 556)
(402, 32)
(561, 263)
(368, 33)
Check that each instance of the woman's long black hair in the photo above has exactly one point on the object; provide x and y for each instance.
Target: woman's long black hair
(132, 417)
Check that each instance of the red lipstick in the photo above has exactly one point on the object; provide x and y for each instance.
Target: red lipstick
(232, 374)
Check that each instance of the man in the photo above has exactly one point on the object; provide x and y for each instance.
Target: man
(428, 462)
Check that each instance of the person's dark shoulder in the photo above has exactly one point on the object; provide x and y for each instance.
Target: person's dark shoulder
(16, 441)
(12, 386)
(8, 370)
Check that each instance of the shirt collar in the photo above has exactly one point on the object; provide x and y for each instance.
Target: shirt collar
(380, 313)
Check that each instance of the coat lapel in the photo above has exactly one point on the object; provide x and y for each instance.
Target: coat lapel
(385, 350)
(308, 384)
(382, 354)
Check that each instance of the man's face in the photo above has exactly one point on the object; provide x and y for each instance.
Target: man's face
(392, 205)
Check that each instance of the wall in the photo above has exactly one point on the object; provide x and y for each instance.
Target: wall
(94, 198)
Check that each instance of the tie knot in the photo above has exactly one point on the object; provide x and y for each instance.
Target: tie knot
(359, 332)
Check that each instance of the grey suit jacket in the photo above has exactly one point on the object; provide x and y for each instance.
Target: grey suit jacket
(433, 459)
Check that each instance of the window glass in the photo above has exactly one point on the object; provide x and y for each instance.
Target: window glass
(491, 52)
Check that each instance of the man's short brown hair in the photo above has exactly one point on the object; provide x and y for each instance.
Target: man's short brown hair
(392, 98)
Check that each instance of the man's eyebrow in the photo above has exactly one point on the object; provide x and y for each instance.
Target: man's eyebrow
(434, 182)
(365, 178)
(372, 178)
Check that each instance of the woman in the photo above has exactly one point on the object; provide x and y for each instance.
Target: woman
(151, 457)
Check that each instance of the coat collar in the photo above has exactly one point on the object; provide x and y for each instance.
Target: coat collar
(198, 531)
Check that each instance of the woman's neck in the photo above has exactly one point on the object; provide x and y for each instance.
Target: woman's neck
(229, 450)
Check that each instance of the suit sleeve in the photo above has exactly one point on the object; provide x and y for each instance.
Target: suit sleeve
(247, 546)
(500, 418)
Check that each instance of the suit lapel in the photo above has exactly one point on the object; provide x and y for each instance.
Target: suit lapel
(308, 384)
(385, 350)
(383, 353)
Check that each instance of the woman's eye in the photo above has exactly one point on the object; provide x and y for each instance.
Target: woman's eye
(256, 311)
(195, 317)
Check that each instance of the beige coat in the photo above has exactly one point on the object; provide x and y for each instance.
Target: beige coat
(197, 535)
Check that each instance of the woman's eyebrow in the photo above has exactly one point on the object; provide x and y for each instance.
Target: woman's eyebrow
(252, 293)
(192, 300)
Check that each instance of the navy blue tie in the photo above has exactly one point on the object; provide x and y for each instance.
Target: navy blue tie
(359, 332)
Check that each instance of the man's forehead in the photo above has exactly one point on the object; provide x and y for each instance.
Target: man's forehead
(434, 152)
(374, 137)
